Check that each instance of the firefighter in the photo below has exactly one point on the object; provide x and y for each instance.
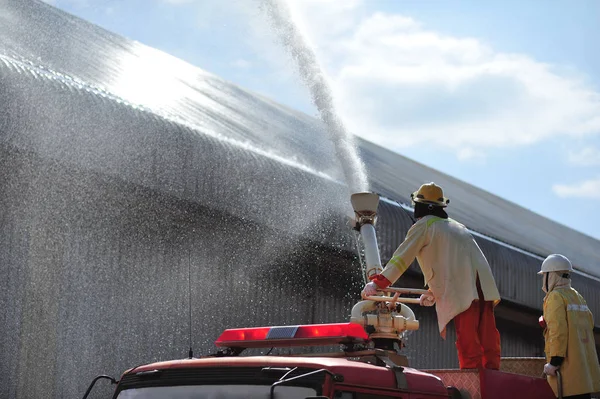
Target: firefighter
(458, 275)
(568, 333)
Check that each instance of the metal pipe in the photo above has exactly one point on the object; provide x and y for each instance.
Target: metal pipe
(413, 291)
(397, 292)
(390, 299)
(559, 382)
(365, 212)
(372, 258)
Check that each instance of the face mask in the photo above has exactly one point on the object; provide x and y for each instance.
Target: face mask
(552, 280)
(545, 277)
(422, 210)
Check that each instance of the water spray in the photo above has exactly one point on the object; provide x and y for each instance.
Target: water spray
(313, 77)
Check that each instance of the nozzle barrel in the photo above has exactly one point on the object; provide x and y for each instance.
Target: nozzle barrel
(365, 210)
(372, 257)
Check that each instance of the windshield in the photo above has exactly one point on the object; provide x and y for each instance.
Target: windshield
(217, 392)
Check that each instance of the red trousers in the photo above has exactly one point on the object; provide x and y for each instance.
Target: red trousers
(477, 338)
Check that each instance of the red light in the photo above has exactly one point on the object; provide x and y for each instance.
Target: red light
(244, 334)
(331, 330)
(315, 334)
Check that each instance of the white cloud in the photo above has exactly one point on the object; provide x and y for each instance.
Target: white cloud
(241, 63)
(588, 156)
(400, 84)
(589, 189)
(178, 1)
(470, 154)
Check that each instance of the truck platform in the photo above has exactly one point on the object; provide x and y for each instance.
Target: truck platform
(517, 378)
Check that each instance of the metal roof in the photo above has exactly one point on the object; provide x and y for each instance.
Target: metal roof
(396, 177)
(54, 64)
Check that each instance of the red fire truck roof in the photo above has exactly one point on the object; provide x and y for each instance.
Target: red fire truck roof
(354, 372)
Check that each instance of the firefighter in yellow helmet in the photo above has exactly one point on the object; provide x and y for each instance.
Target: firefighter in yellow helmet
(458, 275)
(568, 332)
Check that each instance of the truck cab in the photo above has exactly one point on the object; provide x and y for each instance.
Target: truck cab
(263, 377)
(353, 373)
(359, 370)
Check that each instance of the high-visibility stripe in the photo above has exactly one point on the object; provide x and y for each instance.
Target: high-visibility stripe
(435, 219)
(577, 308)
(399, 263)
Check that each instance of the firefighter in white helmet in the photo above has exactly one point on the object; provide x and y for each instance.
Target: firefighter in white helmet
(458, 275)
(569, 332)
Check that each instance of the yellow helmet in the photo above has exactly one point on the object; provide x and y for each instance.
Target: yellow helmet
(430, 193)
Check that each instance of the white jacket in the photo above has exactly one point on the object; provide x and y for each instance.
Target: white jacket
(450, 260)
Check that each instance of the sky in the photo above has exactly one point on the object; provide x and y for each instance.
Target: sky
(503, 95)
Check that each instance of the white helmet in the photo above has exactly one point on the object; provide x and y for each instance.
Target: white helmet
(556, 263)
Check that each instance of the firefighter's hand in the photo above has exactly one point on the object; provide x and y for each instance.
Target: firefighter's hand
(426, 300)
(370, 289)
(550, 369)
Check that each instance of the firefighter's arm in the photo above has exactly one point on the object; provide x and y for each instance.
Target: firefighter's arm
(555, 315)
(404, 255)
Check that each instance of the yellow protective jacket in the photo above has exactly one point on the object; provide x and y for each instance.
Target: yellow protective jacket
(569, 334)
(450, 260)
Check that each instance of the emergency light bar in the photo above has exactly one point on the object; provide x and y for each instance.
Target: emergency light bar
(285, 336)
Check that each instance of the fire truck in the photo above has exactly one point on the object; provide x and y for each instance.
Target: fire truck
(368, 364)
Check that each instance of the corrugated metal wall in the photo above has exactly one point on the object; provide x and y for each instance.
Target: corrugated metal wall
(96, 277)
(396, 177)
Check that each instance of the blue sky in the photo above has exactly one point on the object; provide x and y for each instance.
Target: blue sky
(503, 95)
